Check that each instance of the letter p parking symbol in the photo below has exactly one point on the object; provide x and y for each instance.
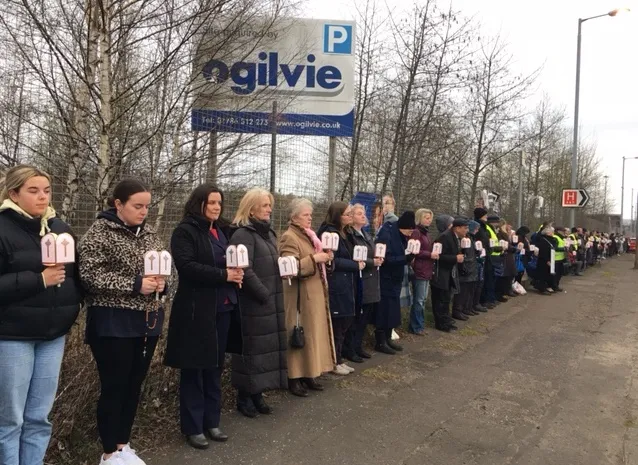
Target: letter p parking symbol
(337, 39)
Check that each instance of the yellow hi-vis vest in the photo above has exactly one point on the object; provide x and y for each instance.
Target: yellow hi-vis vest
(492, 236)
(574, 239)
(560, 248)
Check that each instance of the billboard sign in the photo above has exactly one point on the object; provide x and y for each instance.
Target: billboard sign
(306, 66)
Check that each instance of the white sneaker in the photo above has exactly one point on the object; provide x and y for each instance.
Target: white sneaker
(129, 457)
(115, 459)
(348, 367)
(340, 370)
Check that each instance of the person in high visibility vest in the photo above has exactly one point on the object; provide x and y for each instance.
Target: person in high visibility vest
(484, 234)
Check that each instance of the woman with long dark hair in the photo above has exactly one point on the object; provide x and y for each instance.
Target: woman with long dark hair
(124, 319)
(38, 305)
(204, 321)
(342, 284)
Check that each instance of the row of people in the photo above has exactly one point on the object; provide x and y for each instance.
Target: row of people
(249, 313)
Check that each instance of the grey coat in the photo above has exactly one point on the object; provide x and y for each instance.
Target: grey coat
(262, 365)
(371, 292)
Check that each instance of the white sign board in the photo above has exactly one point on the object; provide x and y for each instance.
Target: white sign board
(305, 65)
(379, 250)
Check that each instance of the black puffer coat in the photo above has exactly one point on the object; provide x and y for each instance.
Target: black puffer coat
(28, 310)
(262, 365)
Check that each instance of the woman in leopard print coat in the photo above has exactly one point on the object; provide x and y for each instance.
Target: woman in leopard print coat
(124, 319)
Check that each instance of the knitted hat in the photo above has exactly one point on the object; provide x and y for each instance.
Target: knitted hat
(406, 221)
(493, 219)
(479, 212)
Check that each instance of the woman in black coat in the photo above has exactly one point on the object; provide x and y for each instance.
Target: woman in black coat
(395, 236)
(204, 321)
(342, 279)
(262, 364)
(38, 306)
(369, 292)
(543, 279)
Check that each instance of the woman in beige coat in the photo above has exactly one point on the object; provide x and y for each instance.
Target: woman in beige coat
(318, 354)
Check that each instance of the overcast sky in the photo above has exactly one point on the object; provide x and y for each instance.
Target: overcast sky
(543, 33)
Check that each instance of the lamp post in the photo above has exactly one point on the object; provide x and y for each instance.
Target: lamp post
(622, 191)
(572, 211)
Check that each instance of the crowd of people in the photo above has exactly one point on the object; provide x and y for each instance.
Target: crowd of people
(283, 332)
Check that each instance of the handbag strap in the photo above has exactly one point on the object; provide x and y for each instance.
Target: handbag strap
(298, 291)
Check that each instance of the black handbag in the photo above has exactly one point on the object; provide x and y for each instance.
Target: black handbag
(297, 337)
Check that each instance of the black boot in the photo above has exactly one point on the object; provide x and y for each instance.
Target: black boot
(296, 388)
(393, 345)
(480, 308)
(260, 404)
(245, 405)
(460, 316)
(312, 384)
(382, 343)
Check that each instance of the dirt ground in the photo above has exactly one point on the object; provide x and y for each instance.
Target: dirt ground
(541, 380)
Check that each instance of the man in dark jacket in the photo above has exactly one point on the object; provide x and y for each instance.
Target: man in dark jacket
(462, 306)
(445, 281)
(484, 234)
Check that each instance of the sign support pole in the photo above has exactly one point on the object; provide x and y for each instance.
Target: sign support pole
(332, 171)
(211, 169)
(273, 149)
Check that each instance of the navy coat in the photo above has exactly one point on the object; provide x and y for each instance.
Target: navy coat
(391, 275)
(342, 277)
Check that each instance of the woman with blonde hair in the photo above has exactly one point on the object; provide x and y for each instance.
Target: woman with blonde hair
(262, 364)
(38, 306)
(306, 302)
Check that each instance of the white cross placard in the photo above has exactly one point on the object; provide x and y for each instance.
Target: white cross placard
(414, 247)
(152, 263)
(288, 267)
(379, 250)
(437, 248)
(360, 253)
(493, 243)
(515, 239)
(166, 263)
(65, 248)
(478, 245)
(466, 243)
(242, 256)
(503, 244)
(231, 257)
(48, 249)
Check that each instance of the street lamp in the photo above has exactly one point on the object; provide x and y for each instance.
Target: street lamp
(572, 212)
(622, 191)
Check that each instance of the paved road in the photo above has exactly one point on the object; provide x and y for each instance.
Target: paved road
(538, 381)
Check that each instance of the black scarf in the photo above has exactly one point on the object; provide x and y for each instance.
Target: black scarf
(262, 227)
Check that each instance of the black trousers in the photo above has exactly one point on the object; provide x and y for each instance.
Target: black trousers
(519, 277)
(464, 300)
(489, 284)
(122, 367)
(354, 336)
(503, 285)
(200, 391)
(441, 307)
(560, 271)
(339, 328)
(478, 291)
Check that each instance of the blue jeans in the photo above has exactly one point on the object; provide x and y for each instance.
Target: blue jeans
(29, 372)
(417, 312)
